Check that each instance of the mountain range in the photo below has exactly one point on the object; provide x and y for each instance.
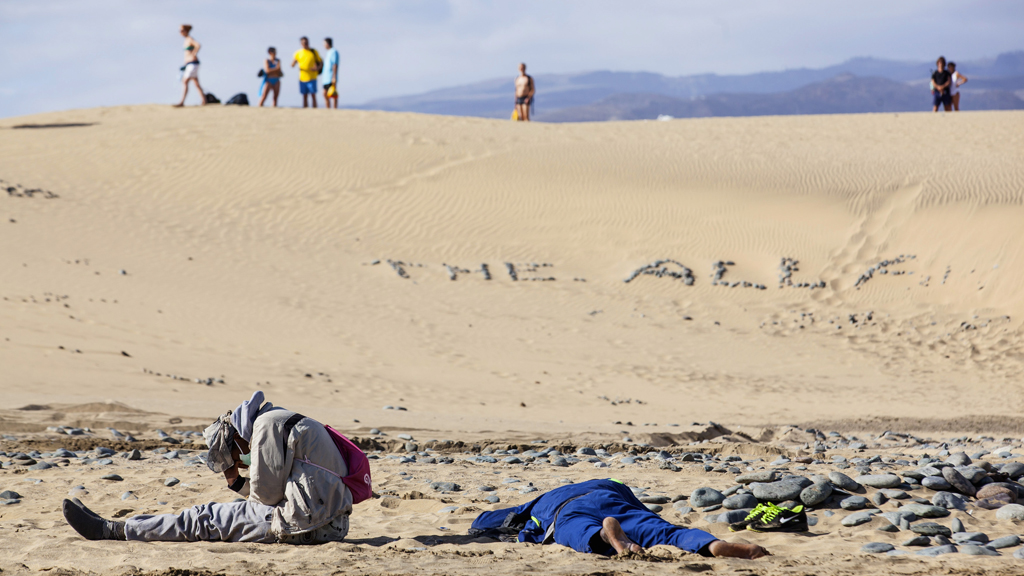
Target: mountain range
(857, 85)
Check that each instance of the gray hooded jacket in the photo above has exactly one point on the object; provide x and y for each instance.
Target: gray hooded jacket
(304, 497)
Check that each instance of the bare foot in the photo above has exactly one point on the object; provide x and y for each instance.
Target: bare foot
(723, 549)
(178, 105)
(611, 532)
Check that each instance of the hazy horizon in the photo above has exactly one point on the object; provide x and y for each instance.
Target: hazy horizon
(65, 54)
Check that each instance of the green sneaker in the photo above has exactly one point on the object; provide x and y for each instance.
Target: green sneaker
(754, 514)
(780, 520)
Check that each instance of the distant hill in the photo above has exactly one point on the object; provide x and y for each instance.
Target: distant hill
(846, 94)
(492, 98)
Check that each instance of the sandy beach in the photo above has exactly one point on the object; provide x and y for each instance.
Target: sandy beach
(649, 289)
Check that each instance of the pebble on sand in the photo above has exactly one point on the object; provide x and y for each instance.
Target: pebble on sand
(877, 547)
(171, 481)
(703, 497)
(1010, 512)
(879, 480)
(975, 550)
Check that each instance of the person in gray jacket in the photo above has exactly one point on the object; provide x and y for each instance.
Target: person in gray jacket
(294, 492)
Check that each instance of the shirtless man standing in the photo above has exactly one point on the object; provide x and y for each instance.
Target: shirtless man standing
(190, 71)
(525, 90)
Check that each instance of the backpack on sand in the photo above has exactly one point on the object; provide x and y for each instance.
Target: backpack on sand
(239, 99)
(211, 99)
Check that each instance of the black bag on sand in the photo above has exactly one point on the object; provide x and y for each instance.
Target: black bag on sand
(239, 99)
(211, 99)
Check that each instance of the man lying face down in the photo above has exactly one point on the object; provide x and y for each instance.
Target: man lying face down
(294, 490)
(603, 517)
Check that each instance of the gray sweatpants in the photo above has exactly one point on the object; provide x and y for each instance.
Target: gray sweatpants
(244, 521)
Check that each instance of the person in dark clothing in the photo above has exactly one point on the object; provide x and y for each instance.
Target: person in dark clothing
(601, 517)
(941, 80)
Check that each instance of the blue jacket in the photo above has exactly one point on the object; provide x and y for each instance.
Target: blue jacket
(535, 517)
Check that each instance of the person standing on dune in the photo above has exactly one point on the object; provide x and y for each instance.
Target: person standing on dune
(525, 90)
(190, 71)
(309, 63)
(330, 73)
(303, 479)
(956, 80)
(941, 79)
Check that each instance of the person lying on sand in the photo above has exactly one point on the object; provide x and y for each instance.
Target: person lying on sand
(295, 492)
(602, 517)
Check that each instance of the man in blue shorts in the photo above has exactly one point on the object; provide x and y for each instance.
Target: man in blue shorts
(310, 64)
(602, 517)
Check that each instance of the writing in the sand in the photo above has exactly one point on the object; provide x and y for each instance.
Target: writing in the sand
(665, 268)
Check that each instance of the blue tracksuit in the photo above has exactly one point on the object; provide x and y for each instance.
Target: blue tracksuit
(580, 510)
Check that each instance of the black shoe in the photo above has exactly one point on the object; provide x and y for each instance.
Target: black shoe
(781, 520)
(90, 525)
(753, 516)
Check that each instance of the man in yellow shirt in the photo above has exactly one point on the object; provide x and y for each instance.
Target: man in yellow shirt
(310, 64)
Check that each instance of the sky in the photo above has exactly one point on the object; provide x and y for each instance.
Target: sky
(62, 54)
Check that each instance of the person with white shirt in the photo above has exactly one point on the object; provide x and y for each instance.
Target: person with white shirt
(955, 82)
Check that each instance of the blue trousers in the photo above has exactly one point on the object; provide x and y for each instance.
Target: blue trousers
(580, 520)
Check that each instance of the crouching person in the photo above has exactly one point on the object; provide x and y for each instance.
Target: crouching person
(602, 517)
(296, 492)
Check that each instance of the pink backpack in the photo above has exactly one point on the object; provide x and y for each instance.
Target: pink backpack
(358, 479)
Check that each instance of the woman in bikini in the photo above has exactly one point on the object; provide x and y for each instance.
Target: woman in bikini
(271, 76)
(190, 71)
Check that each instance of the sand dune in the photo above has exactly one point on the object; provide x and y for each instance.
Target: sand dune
(311, 254)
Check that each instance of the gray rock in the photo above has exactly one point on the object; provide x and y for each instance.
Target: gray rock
(445, 486)
(493, 499)
(1013, 469)
(1010, 512)
(930, 529)
(887, 528)
(893, 494)
(654, 508)
(171, 481)
(917, 541)
(10, 495)
(703, 497)
(959, 459)
(112, 477)
(683, 509)
(129, 496)
(854, 503)
(560, 462)
(739, 501)
(843, 481)
(1019, 554)
(876, 547)
(896, 517)
(759, 476)
(975, 550)
(815, 494)
(926, 511)
(938, 550)
(512, 460)
(957, 480)
(879, 498)
(777, 491)
(655, 499)
(527, 489)
(956, 525)
(712, 508)
(936, 483)
(949, 501)
(960, 537)
(41, 466)
(857, 518)
(448, 509)
(733, 516)
(879, 480)
(1005, 542)
(404, 437)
